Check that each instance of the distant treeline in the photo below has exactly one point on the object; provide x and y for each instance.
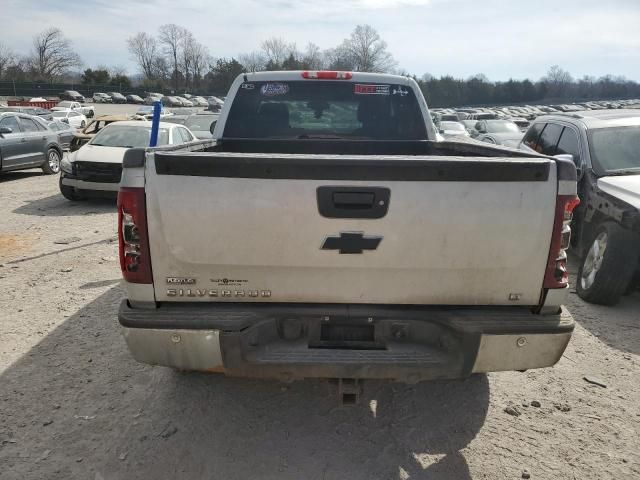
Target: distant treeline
(557, 86)
(173, 60)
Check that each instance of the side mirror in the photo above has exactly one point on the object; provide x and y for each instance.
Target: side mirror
(5, 130)
(65, 120)
(441, 132)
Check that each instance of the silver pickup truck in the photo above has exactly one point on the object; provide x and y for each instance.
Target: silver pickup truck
(326, 232)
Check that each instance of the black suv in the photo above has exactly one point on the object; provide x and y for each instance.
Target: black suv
(604, 145)
(72, 95)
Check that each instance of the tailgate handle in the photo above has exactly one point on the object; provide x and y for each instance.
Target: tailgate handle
(353, 202)
(353, 199)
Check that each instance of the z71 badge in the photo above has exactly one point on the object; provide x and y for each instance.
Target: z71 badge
(181, 281)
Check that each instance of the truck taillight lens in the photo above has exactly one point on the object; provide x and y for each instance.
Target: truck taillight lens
(556, 274)
(327, 75)
(135, 261)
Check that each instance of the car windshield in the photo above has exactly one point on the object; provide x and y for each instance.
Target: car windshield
(616, 148)
(127, 136)
(74, 93)
(200, 122)
(451, 126)
(502, 127)
(59, 114)
(65, 104)
(320, 109)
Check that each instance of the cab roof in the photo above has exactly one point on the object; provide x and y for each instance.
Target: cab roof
(295, 75)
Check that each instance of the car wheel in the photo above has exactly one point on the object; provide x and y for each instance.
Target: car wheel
(83, 124)
(52, 165)
(70, 193)
(608, 265)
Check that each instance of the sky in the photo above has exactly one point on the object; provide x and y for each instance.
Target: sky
(500, 38)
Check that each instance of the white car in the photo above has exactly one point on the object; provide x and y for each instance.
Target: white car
(97, 165)
(86, 110)
(101, 98)
(453, 129)
(73, 118)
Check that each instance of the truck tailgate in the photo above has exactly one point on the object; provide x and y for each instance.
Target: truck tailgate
(356, 229)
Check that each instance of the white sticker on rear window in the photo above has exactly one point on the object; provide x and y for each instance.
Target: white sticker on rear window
(274, 89)
(361, 89)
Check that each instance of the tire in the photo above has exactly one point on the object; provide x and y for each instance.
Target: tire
(70, 193)
(608, 265)
(51, 166)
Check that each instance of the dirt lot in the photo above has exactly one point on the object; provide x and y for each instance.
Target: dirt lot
(73, 404)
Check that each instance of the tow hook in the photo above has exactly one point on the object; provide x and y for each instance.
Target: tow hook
(349, 391)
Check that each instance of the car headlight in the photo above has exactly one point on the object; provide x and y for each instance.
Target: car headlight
(66, 166)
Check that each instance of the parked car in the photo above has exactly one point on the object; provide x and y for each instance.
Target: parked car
(97, 124)
(27, 142)
(171, 101)
(73, 118)
(198, 101)
(102, 98)
(72, 95)
(117, 97)
(201, 124)
(604, 146)
(134, 99)
(185, 102)
(522, 123)
(150, 100)
(65, 133)
(87, 110)
(214, 104)
(37, 111)
(453, 129)
(98, 165)
(146, 111)
(470, 126)
(499, 132)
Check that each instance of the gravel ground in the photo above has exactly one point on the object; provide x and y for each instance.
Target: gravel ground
(74, 405)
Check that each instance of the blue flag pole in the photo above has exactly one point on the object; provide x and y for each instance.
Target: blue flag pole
(155, 124)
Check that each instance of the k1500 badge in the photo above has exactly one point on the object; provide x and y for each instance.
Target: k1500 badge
(204, 292)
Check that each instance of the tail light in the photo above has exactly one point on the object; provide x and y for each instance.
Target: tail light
(556, 274)
(327, 75)
(135, 260)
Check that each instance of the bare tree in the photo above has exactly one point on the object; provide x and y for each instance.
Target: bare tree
(276, 50)
(144, 49)
(253, 62)
(200, 58)
(171, 36)
(312, 57)
(7, 58)
(52, 55)
(557, 81)
(367, 51)
(339, 58)
(188, 44)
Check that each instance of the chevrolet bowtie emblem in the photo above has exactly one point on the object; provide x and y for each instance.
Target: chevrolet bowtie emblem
(351, 242)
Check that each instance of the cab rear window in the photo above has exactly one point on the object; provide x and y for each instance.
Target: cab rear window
(323, 109)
